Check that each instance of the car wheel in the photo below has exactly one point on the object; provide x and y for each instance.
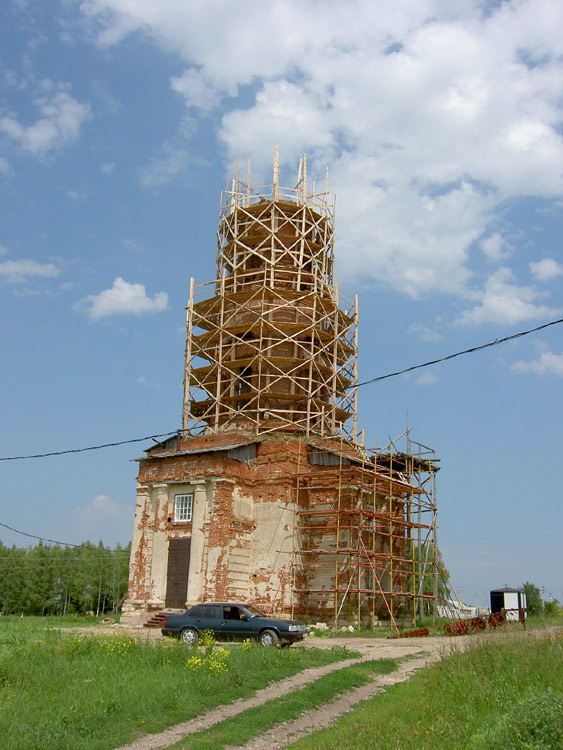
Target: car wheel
(268, 638)
(189, 636)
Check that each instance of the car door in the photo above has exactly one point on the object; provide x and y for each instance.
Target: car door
(236, 624)
(208, 617)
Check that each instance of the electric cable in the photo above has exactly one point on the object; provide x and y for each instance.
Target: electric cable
(377, 379)
(473, 349)
(89, 448)
(64, 544)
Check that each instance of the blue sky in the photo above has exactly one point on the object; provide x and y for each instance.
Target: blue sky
(441, 125)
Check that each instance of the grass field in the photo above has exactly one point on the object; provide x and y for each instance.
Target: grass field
(70, 689)
(505, 692)
(65, 690)
(255, 721)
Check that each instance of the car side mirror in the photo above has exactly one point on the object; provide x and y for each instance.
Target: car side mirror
(245, 618)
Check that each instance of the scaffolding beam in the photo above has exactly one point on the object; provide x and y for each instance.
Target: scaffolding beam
(365, 535)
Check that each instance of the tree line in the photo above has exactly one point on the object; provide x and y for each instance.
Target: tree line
(536, 604)
(55, 580)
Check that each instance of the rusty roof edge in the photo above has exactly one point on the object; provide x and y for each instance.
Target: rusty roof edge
(193, 451)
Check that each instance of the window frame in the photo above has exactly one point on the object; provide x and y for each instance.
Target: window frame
(188, 509)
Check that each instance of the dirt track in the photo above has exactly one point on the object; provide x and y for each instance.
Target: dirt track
(423, 650)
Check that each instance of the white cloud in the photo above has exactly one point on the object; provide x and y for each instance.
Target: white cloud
(503, 301)
(122, 299)
(142, 380)
(432, 115)
(101, 508)
(107, 167)
(547, 363)
(195, 89)
(424, 333)
(4, 166)
(494, 247)
(18, 271)
(285, 112)
(429, 378)
(103, 518)
(546, 269)
(161, 170)
(130, 244)
(61, 117)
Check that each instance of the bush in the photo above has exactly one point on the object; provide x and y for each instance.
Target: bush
(552, 608)
(534, 723)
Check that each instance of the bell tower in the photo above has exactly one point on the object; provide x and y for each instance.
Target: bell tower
(271, 344)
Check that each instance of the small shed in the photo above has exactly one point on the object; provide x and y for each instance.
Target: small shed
(512, 600)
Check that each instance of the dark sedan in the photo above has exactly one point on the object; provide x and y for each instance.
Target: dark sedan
(233, 622)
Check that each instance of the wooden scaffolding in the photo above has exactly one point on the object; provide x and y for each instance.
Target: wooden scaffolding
(271, 344)
(272, 347)
(365, 535)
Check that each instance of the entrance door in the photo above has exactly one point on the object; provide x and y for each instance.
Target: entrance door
(178, 572)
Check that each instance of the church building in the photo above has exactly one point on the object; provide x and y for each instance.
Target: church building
(268, 495)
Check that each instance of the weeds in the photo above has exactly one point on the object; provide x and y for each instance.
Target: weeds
(215, 660)
(466, 700)
(61, 690)
(534, 723)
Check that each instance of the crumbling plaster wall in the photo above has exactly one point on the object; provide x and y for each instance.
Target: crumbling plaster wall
(241, 529)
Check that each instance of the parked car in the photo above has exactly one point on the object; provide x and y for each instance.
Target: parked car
(233, 621)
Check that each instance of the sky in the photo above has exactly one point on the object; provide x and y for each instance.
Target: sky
(442, 127)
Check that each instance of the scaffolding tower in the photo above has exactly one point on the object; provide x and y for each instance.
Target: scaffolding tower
(271, 347)
(271, 343)
(366, 536)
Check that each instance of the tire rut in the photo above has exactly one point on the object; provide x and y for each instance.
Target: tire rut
(280, 735)
(283, 735)
(216, 715)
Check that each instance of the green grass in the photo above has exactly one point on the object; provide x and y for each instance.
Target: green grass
(506, 692)
(13, 625)
(545, 621)
(61, 690)
(253, 722)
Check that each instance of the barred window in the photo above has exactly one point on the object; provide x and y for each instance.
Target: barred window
(183, 507)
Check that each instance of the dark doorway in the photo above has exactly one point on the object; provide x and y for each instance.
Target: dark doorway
(178, 572)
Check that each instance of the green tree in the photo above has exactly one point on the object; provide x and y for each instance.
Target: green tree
(553, 607)
(54, 580)
(533, 598)
(426, 568)
(12, 579)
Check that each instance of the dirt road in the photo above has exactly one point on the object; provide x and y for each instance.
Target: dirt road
(423, 650)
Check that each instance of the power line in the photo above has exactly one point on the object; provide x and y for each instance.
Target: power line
(89, 448)
(64, 544)
(377, 379)
(42, 539)
(473, 349)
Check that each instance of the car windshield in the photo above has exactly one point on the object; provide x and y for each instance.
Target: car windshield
(254, 611)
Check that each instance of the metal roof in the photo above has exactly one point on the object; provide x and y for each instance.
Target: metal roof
(192, 451)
